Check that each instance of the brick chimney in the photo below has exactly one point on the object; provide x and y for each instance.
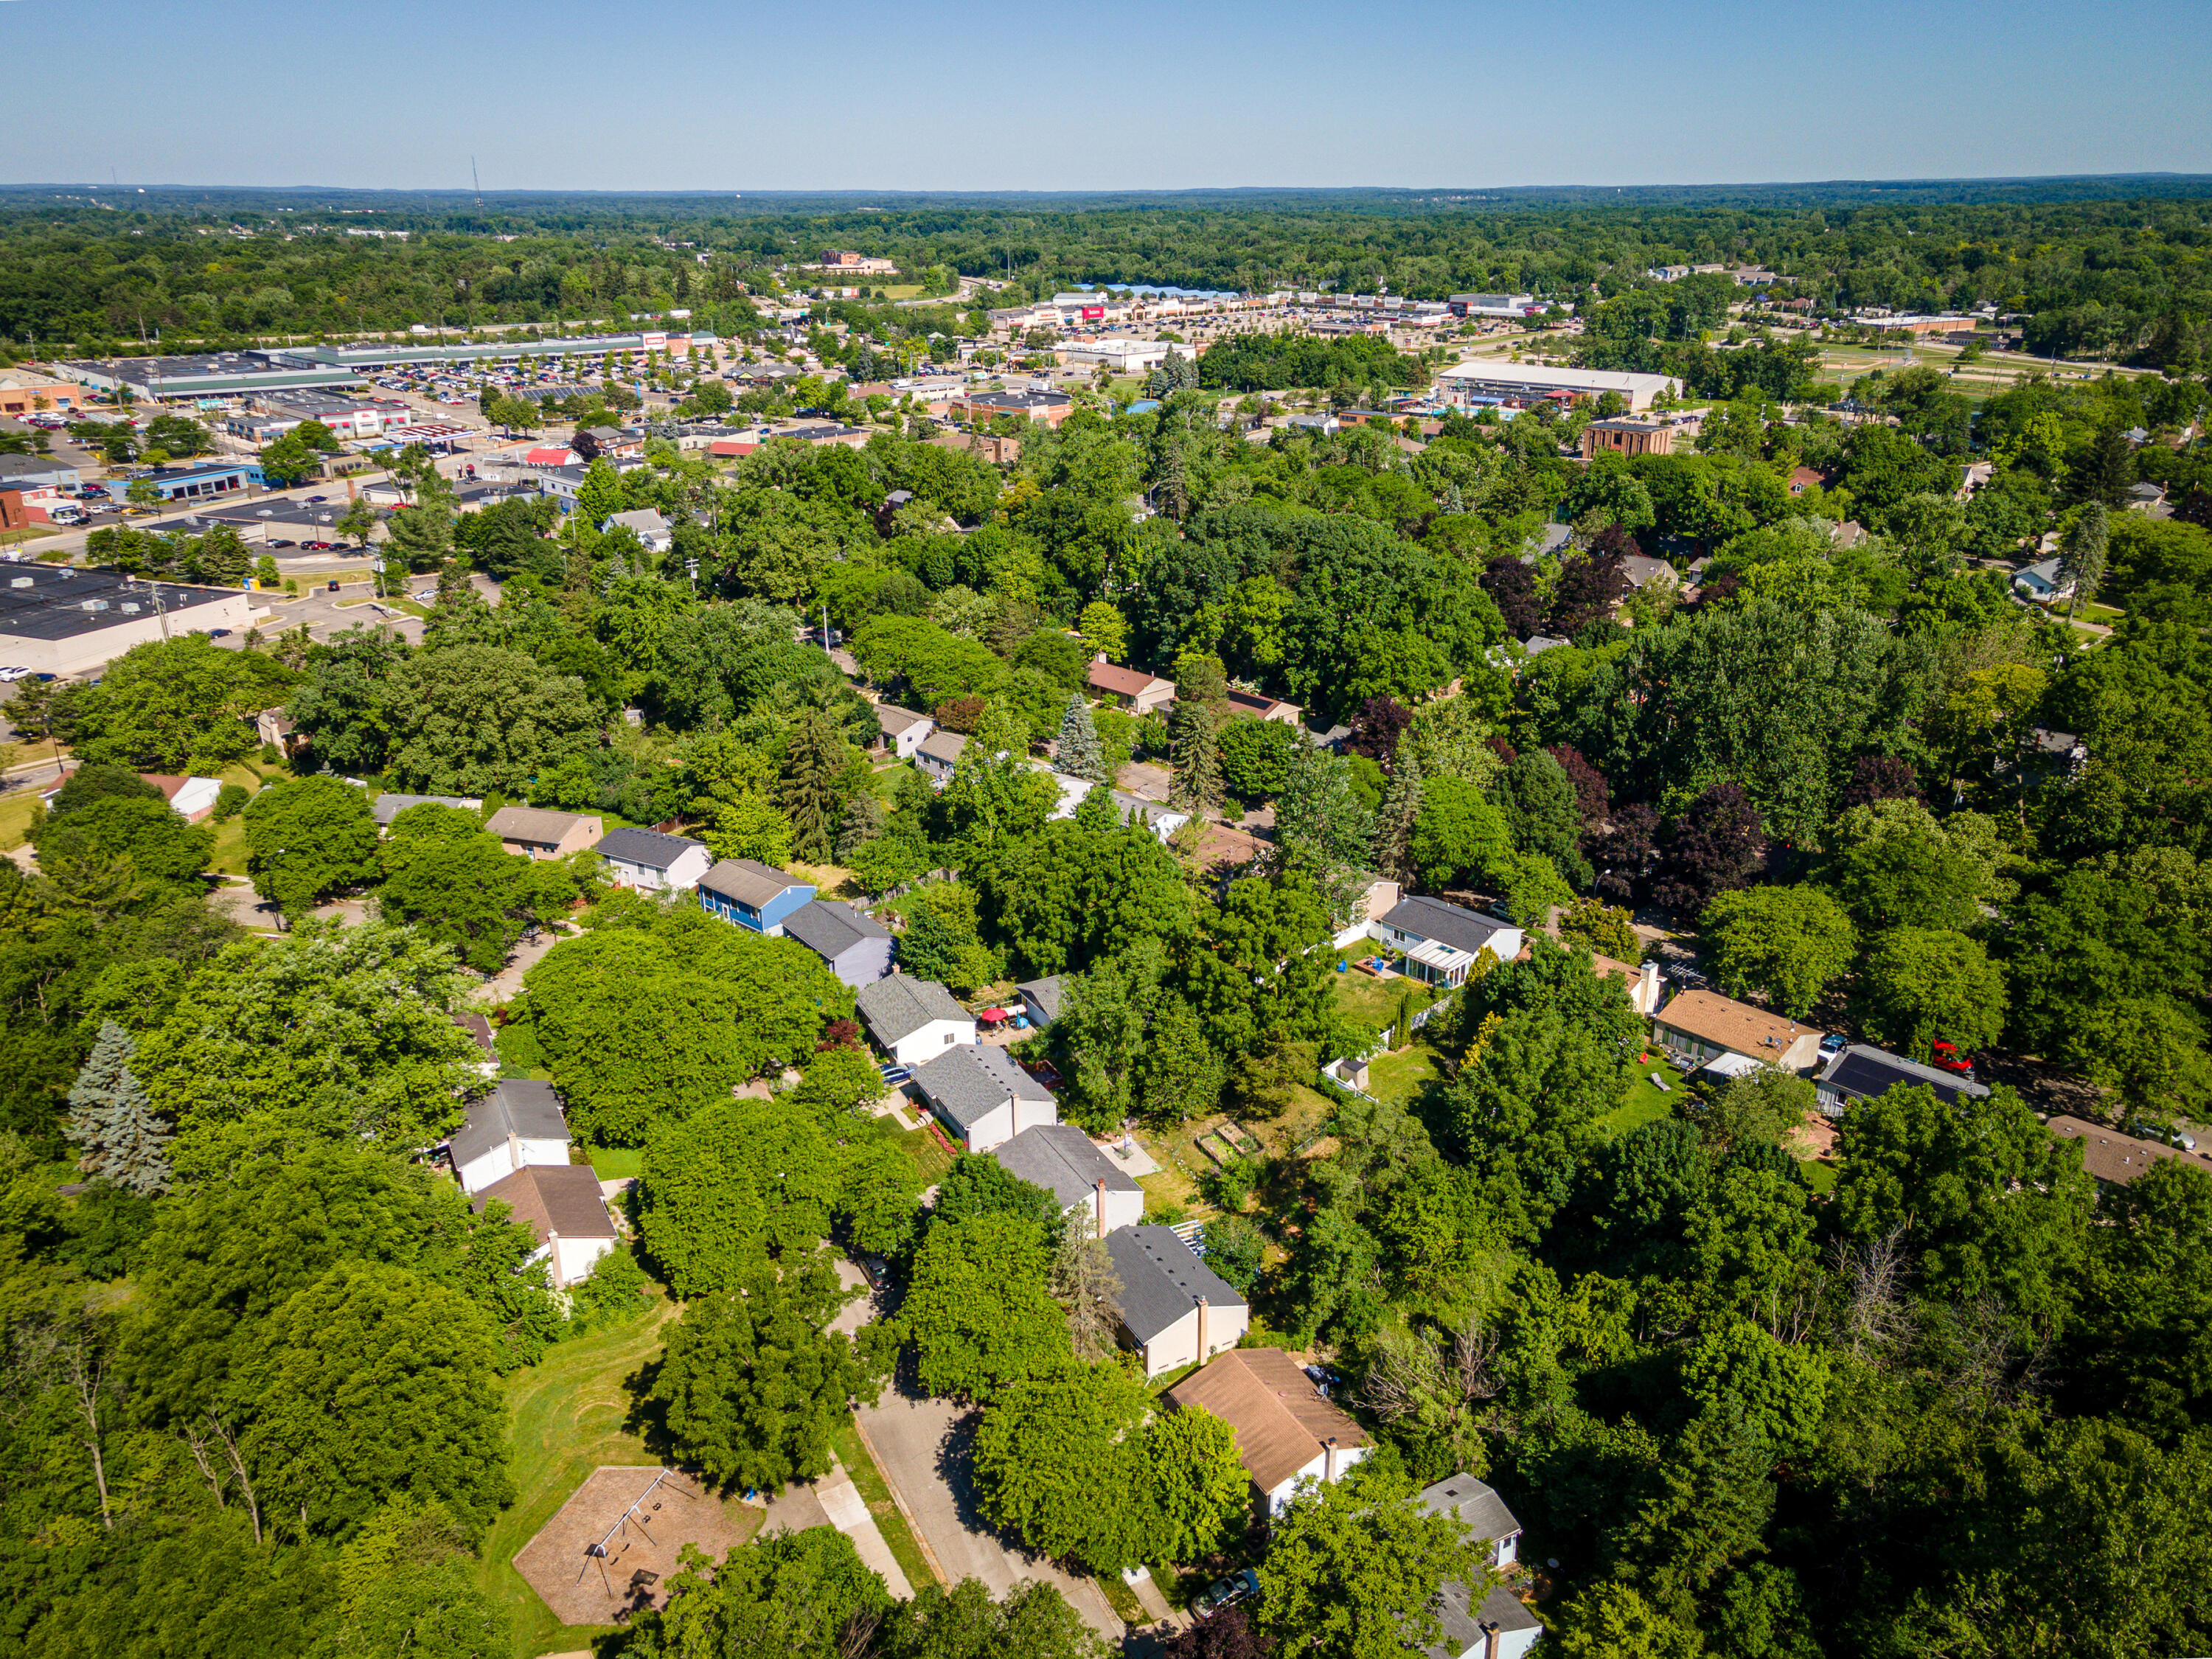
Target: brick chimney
(1328, 1459)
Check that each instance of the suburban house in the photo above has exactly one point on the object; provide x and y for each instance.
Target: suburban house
(1067, 1164)
(189, 798)
(565, 1212)
(936, 755)
(2041, 581)
(982, 1096)
(903, 730)
(1254, 705)
(913, 1019)
(855, 945)
(1696, 1026)
(1160, 818)
(536, 833)
(651, 530)
(1500, 1625)
(2114, 1159)
(1285, 1431)
(1040, 999)
(1864, 1072)
(1442, 942)
(651, 862)
(757, 897)
(1138, 693)
(386, 807)
(517, 1126)
(1176, 1310)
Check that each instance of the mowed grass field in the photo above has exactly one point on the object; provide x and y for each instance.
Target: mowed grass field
(564, 1419)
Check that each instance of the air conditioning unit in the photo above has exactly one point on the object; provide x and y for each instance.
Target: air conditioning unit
(94, 604)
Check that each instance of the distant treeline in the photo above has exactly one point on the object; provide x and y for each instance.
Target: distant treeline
(2121, 276)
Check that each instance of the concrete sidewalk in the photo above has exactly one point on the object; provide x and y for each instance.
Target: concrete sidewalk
(835, 1501)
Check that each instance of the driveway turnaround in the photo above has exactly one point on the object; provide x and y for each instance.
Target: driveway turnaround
(921, 1445)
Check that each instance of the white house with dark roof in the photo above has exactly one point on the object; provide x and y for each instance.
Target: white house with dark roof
(645, 522)
(516, 1125)
(913, 1020)
(1496, 1624)
(652, 862)
(1176, 1310)
(903, 730)
(856, 947)
(1067, 1164)
(982, 1096)
(1443, 942)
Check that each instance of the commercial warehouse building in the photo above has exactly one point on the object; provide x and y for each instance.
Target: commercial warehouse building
(243, 373)
(1486, 380)
(55, 619)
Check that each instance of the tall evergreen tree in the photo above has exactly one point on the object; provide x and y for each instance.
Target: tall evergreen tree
(110, 1116)
(2081, 554)
(1080, 756)
(1194, 754)
(865, 821)
(1394, 824)
(809, 794)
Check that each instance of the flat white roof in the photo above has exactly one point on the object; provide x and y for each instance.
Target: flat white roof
(1590, 379)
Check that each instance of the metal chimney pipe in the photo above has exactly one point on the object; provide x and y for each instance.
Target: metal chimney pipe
(1201, 1331)
(1100, 1186)
(1328, 1459)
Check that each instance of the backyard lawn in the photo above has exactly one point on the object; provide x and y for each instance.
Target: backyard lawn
(564, 1419)
(615, 1163)
(1646, 1101)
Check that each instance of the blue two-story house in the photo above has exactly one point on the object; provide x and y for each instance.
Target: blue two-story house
(752, 895)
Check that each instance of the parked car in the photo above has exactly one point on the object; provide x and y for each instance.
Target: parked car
(897, 1073)
(1833, 1044)
(1945, 1056)
(334, 585)
(1237, 1587)
(875, 1270)
(282, 541)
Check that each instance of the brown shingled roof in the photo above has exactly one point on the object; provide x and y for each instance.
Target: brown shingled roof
(2110, 1156)
(1280, 1420)
(553, 1198)
(1736, 1026)
(1121, 682)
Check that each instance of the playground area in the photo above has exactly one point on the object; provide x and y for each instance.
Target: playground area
(610, 1550)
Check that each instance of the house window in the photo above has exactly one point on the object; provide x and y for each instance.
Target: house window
(948, 1039)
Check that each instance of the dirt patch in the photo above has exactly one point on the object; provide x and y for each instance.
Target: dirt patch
(642, 1552)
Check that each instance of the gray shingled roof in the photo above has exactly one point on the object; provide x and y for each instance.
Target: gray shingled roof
(1480, 1509)
(1162, 1280)
(899, 1005)
(942, 745)
(968, 1083)
(1463, 1625)
(1063, 1160)
(1448, 924)
(1045, 993)
(647, 848)
(518, 1107)
(829, 928)
(748, 881)
(384, 808)
(893, 719)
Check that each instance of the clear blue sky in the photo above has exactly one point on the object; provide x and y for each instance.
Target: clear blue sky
(980, 95)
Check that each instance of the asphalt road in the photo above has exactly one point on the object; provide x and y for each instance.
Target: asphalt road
(922, 1446)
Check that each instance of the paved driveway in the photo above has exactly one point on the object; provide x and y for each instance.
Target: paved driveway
(921, 1445)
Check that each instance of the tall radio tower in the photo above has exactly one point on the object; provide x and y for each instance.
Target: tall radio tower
(477, 182)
